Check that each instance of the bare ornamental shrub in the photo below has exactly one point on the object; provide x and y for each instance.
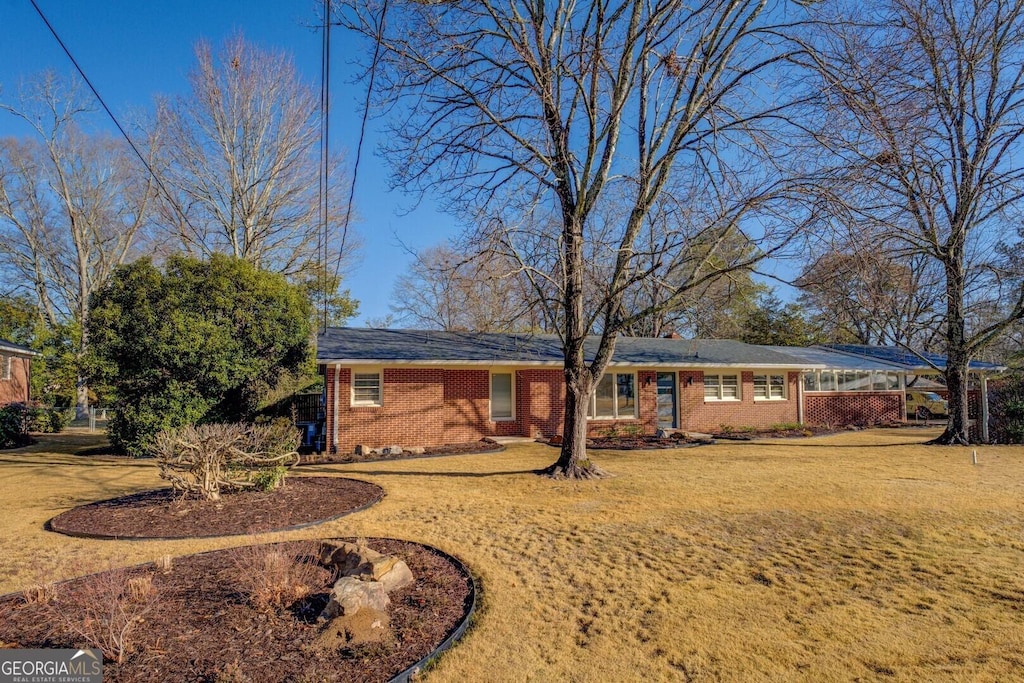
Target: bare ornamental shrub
(272, 577)
(211, 459)
(105, 610)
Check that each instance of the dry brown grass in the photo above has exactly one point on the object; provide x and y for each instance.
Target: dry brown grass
(860, 556)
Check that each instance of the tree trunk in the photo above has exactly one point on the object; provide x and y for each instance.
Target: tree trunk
(573, 462)
(81, 399)
(957, 360)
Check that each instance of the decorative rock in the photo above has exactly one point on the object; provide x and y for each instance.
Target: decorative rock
(399, 576)
(366, 626)
(392, 450)
(351, 595)
(416, 450)
(661, 434)
(362, 450)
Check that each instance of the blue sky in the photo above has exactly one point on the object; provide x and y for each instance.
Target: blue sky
(132, 51)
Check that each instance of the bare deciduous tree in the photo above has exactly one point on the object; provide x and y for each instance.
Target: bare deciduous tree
(241, 155)
(527, 114)
(924, 108)
(868, 296)
(447, 288)
(73, 206)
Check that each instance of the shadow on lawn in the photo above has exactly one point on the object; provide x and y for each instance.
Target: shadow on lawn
(387, 473)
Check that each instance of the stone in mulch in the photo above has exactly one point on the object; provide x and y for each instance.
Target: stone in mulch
(163, 513)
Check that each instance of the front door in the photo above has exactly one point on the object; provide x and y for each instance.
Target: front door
(667, 400)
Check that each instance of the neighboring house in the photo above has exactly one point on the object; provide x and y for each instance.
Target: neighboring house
(15, 373)
(426, 388)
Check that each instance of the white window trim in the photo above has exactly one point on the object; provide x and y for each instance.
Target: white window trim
(768, 386)
(352, 387)
(490, 399)
(720, 398)
(592, 406)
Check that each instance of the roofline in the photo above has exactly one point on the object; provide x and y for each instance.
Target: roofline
(558, 364)
(997, 369)
(18, 349)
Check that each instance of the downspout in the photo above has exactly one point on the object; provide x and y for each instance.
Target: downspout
(800, 398)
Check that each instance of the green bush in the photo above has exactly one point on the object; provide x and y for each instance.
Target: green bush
(1006, 410)
(13, 426)
(48, 420)
(194, 342)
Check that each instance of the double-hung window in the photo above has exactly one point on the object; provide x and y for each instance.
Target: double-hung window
(367, 387)
(502, 397)
(769, 387)
(721, 387)
(614, 398)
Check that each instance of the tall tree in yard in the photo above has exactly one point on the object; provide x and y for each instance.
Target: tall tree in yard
(923, 104)
(73, 206)
(529, 115)
(241, 156)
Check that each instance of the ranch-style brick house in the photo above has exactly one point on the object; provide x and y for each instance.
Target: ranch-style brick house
(427, 388)
(15, 373)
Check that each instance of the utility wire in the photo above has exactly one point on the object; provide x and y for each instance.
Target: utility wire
(113, 118)
(362, 132)
(325, 94)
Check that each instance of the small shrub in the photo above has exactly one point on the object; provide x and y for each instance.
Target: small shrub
(269, 478)
(272, 578)
(786, 427)
(14, 426)
(210, 459)
(632, 430)
(48, 420)
(106, 609)
(725, 429)
(748, 429)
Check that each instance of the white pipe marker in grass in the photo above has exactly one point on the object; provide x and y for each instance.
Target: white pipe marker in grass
(974, 457)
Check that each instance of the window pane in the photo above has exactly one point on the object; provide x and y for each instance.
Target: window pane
(892, 381)
(730, 386)
(711, 386)
(605, 397)
(366, 387)
(760, 386)
(811, 381)
(778, 386)
(828, 381)
(626, 400)
(501, 396)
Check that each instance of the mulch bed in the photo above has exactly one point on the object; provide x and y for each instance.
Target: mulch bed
(803, 432)
(162, 513)
(202, 628)
(640, 442)
(471, 447)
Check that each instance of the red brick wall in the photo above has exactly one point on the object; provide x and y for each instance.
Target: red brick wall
(428, 407)
(853, 408)
(15, 389)
(696, 414)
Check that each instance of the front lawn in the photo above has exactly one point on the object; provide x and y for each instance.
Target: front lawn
(861, 555)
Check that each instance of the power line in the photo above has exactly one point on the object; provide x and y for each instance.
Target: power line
(325, 93)
(113, 118)
(362, 131)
